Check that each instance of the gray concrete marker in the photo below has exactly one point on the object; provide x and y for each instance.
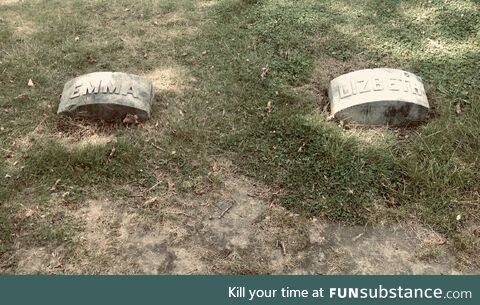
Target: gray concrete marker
(378, 97)
(108, 96)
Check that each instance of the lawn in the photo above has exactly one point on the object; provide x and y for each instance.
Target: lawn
(216, 120)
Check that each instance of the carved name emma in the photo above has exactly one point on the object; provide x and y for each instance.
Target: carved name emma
(103, 87)
(354, 87)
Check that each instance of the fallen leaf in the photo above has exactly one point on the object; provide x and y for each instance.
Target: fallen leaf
(29, 213)
(171, 186)
(91, 60)
(77, 38)
(458, 109)
(264, 72)
(30, 83)
(300, 149)
(130, 119)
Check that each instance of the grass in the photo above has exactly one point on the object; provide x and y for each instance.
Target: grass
(205, 58)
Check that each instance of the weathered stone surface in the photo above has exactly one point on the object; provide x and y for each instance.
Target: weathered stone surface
(378, 97)
(107, 96)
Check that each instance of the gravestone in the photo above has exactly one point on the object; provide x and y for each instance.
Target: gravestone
(108, 96)
(378, 97)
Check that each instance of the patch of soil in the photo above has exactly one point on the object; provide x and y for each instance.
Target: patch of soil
(232, 230)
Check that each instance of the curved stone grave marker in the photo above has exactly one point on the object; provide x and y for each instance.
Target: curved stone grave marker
(378, 97)
(108, 96)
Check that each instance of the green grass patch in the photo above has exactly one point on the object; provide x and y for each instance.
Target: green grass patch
(272, 128)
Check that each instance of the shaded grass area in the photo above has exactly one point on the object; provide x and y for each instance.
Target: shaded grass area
(272, 128)
(432, 175)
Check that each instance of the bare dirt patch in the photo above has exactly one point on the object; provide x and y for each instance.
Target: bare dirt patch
(235, 230)
(171, 78)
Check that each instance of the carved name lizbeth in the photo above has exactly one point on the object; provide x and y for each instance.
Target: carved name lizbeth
(378, 84)
(378, 97)
(107, 95)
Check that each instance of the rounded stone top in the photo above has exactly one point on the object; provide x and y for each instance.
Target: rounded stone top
(107, 95)
(379, 96)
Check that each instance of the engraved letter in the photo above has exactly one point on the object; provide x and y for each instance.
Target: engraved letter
(377, 84)
(345, 91)
(393, 84)
(110, 88)
(365, 87)
(416, 89)
(76, 91)
(354, 87)
(91, 89)
(407, 86)
(126, 90)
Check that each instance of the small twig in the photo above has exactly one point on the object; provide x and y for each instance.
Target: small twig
(133, 196)
(38, 125)
(154, 186)
(159, 148)
(203, 190)
(150, 201)
(179, 213)
(112, 151)
(281, 244)
(54, 187)
(226, 210)
(357, 237)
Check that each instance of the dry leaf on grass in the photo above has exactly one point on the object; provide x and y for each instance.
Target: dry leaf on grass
(264, 72)
(130, 119)
(458, 109)
(171, 186)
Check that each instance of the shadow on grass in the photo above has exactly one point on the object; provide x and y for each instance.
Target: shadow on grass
(320, 169)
